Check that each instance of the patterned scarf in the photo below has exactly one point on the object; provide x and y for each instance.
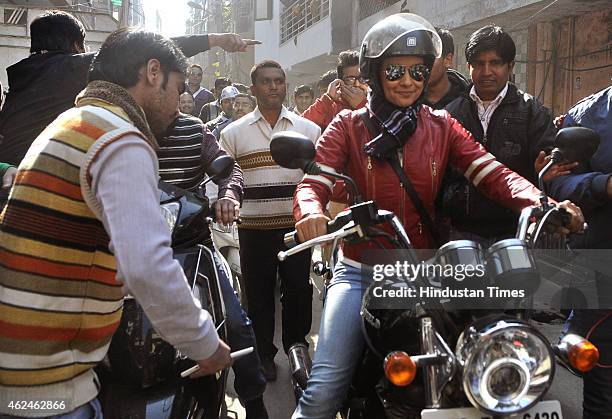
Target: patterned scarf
(398, 125)
(116, 95)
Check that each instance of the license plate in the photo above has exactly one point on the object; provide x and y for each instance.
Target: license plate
(549, 409)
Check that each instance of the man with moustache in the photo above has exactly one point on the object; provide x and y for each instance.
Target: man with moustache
(84, 209)
(267, 215)
(512, 125)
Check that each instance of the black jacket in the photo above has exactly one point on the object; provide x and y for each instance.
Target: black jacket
(459, 85)
(43, 86)
(519, 129)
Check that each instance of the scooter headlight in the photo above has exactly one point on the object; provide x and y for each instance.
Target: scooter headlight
(170, 213)
(508, 367)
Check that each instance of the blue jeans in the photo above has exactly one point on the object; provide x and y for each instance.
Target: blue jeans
(250, 382)
(91, 410)
(339, 347)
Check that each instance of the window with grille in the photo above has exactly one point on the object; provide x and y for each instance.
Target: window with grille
(369, 7)
(16, 16)
(301, 15)
(244, 16)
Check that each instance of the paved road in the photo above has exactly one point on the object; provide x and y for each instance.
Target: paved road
(279, 395)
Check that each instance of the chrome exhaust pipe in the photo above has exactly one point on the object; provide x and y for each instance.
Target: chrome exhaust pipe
(300, 365)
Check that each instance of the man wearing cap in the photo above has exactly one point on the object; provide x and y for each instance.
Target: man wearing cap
(226, 101)
(211, 110)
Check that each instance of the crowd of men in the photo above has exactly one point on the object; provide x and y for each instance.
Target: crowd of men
(84, 138)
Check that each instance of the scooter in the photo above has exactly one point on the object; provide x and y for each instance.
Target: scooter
(434, 360)
(140, 377)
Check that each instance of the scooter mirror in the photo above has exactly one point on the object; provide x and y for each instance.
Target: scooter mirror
(220, 168)
(577, 143)
(292, 150)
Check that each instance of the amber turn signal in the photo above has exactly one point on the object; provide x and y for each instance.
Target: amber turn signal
(583, 355)
(400, 369)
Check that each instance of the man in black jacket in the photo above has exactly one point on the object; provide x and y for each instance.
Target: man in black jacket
(512, 125)
(445, 84)
(46, 83)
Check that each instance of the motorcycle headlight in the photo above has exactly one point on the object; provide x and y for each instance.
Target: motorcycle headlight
(170, 213)
(508, 367)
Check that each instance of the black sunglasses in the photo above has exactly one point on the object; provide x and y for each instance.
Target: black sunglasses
(418, 72)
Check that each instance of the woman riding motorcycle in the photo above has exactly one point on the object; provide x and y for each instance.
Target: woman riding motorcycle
(396, 58)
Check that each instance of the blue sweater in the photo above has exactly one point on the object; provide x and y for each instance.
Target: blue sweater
(586, 187)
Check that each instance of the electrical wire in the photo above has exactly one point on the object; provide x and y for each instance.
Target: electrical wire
(550, 62)
(587, 69)
(546, 72)
(533, 15)
(584, 54)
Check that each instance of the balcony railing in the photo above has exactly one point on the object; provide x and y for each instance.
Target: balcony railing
(301, 15)
(99, 6)
(17, 14)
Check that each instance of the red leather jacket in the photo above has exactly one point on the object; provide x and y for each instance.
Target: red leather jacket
(439, 140)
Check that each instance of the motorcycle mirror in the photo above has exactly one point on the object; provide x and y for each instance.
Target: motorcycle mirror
(220, 168)
(577, 143)
(292, 150)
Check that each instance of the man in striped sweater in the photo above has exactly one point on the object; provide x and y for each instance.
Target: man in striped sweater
(267, 215)
(82, 227)
(184, 155)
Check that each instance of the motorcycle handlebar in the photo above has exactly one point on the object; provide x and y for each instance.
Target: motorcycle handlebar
(551, 219)
(213, 214)
(343, 218)
(339, 234)
(291, 239)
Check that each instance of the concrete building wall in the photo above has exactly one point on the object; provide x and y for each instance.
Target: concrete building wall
(529, 22)
(304, 57)
(537, 30)
(572, 58)
(455, 14)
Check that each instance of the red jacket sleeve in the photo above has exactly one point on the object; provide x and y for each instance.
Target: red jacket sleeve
(322, 112)
(489, 176)
(313, 192)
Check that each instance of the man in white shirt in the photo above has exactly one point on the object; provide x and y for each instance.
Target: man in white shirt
(267, 214)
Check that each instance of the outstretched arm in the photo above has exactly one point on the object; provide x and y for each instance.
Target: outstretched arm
(194, 44)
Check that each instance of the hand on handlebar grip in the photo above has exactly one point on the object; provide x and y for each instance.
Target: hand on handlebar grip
(218, 361)
(575, 222)
(227, 211)
(311, 226)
